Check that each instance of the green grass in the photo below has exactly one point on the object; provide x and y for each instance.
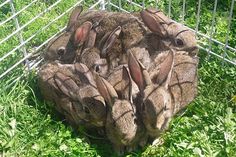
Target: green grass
(31, 127)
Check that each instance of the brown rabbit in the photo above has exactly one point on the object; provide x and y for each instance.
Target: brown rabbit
(91, 54)
(72, 88)
(63, 47)
(123, 126)
(51, 92)
(168, 34)
(154, 101)
(183, 82)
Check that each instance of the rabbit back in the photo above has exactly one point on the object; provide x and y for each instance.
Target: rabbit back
(183, 83)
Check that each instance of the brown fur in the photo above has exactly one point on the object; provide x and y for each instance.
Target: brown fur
(70, 86)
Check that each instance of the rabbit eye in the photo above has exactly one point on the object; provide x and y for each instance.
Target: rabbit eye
(97, 68)
(86, 110)
(179, 42)
(61, 51)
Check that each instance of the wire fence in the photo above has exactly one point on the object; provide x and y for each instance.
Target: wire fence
(17, 47)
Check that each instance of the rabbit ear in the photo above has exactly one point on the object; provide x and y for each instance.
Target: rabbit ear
(126, 85)
(155, 20)
(166, 69)
(66, 85)
(138, 72)
(110, 40)
(106, 90)
(74, 17)
(82, 33)
(84, 74)
(91, 39)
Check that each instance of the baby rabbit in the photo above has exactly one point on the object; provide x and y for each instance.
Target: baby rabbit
(63, 47)
(172, 35)
(154, 102)
(168, 34)
(123, 126)
(91, 54)
(73, 89)
(51, 92)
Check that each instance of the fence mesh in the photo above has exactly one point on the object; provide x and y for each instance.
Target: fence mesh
(24, 30)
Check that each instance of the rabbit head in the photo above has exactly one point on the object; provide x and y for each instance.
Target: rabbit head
(121, 123)
(81, 87)
(173, 35)
(72, 110)
(51, 92)
(64, 46)
(73, 84)
(91, 58)
(95, 56)
(156, 105)
(60, 48)
(166, 35)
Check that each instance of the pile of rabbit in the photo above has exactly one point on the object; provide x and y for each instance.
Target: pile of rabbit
(126, 73)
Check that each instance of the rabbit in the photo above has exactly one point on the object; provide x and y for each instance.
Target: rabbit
(91, 54)
(123, 126)
(170, 34)
(72, 88)
(154, 101)
(183, 82)
(51, 92)
(63, 47)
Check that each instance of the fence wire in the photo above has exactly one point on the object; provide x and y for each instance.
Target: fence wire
(20, 53)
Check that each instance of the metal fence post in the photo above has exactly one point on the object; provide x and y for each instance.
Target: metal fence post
(102, 5)
(212, 28)
(23, 49)
(183, 10)
(169, 9)
(228, 29)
